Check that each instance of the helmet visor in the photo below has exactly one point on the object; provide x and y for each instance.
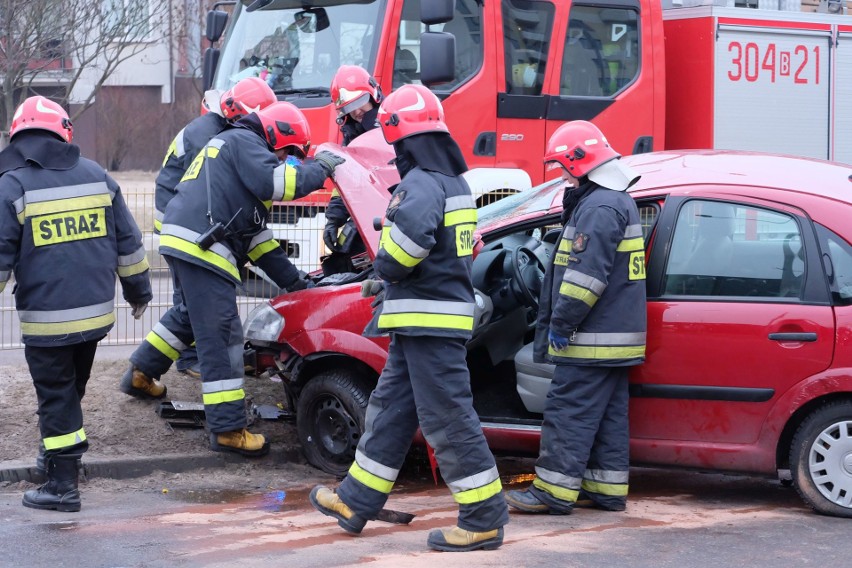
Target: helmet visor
(356, 104)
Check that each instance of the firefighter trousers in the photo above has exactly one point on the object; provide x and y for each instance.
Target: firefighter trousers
(60, 375)
(211, 302)
(170, 337)
(426, 380)
(585, 440)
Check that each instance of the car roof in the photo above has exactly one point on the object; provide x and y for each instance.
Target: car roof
(737, 168)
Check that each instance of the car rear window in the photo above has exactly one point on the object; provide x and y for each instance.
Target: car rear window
(837, 260)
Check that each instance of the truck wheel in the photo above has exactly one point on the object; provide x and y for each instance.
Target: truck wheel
(330, 419)
(821, 459)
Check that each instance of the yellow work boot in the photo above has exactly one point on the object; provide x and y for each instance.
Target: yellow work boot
(239, 441)
(459, 540)
(139, 385)
(328, 503)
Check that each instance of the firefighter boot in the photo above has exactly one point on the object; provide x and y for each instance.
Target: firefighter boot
(240, 442)
(328, 503)
(527, 502)
(139, 385)
(60, 492)
(41, 468)
(459, 540)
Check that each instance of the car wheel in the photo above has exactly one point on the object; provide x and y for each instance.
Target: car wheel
(821, 459)
(330, 419)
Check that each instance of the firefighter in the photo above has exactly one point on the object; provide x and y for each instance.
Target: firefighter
(65, 232)
(591, 324)
(246, 96)
(356, 97)
(424, 260)
(213, 226)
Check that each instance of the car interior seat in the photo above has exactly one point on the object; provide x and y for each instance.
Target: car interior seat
(533, 379)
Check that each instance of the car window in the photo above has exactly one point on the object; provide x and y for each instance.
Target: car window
(647, 217)
(729, 249)
(837, 261)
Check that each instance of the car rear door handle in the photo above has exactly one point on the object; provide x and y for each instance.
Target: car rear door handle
(798, 336)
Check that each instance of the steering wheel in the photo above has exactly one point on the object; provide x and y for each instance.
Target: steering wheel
(527, 275)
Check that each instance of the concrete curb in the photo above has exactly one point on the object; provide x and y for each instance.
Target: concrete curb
(130, 467)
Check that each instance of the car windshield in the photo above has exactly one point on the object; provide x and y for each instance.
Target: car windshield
(533, 201)
(298, 50)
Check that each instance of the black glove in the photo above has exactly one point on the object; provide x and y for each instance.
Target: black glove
(329, 161)
(329, 236)
(300, 284)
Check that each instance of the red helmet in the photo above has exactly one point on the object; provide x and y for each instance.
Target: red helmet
(39, 113)
(582, 149)
(411, 109)
(352, 87)
(284, 125)
(247, 96)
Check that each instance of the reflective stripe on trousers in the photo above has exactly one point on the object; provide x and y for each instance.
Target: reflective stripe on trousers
(585, 436)
(211, 302)
(426, 377)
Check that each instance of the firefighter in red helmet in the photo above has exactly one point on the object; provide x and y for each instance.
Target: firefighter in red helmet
(65, 233)
(141, 379)
(356, 96)
(591, 325)
(213, 226)
(424, 259)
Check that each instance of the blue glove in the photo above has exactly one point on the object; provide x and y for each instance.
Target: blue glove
(557, 342)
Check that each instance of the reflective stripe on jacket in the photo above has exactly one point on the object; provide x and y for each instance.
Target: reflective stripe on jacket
(66, 234)
(425, 257)
(245, 178)
(594, 288)
(183, 149)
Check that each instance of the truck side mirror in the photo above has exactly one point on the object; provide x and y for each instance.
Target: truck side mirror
(438, 57)
(216, 21)
(437, 11)
(211, 59)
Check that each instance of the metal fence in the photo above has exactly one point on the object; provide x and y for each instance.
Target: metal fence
(298, 227)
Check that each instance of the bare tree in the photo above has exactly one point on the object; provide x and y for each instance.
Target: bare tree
(72, 46)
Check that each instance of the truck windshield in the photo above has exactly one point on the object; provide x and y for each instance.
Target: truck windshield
(297, 50)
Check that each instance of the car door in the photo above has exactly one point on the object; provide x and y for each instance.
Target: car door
(737, 313)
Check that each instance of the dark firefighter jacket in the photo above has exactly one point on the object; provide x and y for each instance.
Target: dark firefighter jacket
(183, 149)
(244, 177)
(336, 211)
(424, 257)
(65, 232)
(594, 289)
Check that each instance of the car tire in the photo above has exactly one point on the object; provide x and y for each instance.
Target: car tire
(330, 419)
(821, 459)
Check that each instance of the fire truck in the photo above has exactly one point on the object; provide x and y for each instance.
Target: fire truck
(509, 72)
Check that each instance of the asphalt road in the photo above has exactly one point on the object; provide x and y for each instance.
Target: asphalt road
(674, 519)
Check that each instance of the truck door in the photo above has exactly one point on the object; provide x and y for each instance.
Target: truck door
(843, 97)
(525, 29)
(468, 101)
(607, 73)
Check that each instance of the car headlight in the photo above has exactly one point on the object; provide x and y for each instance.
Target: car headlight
(263, 324)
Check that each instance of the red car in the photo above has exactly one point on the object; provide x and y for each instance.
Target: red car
(749, 348)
